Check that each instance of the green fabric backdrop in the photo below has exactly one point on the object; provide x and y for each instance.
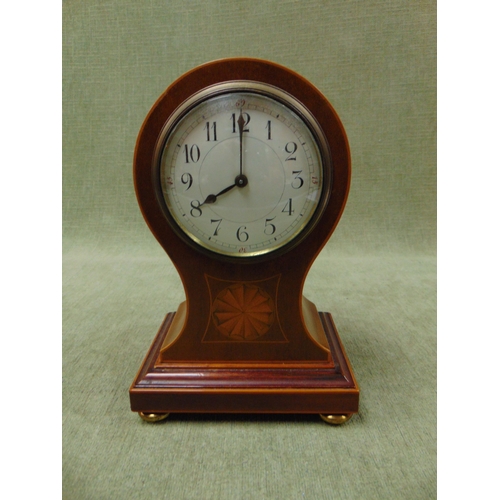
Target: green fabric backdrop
(376, 63)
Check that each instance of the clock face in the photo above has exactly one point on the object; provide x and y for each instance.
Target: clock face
(241, 170)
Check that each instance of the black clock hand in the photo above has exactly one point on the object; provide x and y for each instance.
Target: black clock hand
(240, 181)
(212, 198)
(241, 124)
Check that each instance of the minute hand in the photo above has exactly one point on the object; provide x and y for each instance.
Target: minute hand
(241, 125)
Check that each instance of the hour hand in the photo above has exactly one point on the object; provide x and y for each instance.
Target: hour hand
(240, 181)
(212, 198)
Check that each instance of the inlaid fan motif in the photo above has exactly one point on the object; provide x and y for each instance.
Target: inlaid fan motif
(243, 312)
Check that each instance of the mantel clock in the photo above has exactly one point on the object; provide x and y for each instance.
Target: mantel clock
(242, 172)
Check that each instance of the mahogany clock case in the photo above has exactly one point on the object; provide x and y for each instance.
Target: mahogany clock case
(299, 365)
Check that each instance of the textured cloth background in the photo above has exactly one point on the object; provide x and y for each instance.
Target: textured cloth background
(376, 62)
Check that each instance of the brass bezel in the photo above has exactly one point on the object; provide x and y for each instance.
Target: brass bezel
(279, 96)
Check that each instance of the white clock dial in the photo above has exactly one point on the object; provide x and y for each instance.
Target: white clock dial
(241, 171)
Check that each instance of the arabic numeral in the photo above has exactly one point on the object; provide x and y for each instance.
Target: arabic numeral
(288, 207)
(269, 229)
(211, 136)
(195, 209)
(187, 179)
(234, 120)
(297, 182)
(218, 222)
(192, 153)
(268, 127)
(291, 148)
(241, 234)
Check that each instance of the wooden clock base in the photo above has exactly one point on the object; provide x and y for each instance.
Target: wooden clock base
(161, 388)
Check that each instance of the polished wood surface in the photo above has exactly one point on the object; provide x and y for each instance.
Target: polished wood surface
(212, 388)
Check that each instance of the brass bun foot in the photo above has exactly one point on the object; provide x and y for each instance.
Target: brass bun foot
(336, 419)
(153, 417)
